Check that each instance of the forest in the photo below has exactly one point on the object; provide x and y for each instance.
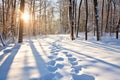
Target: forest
(35, 17)
(59, 39)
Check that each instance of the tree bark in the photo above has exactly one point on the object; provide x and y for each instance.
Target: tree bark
(22, 5)
(102, 18)
(86, 5)
(78, 26)
(97, 19)
(71, 16)
(117, 30)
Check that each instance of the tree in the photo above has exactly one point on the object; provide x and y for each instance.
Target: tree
(117, 30)
(71, 18)
(22, 5)
(102, 14)
(97, 19)
(78, 18)
(3, 18)
(86, 34)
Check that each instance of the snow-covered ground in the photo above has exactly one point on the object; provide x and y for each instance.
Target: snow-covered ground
(56, 57)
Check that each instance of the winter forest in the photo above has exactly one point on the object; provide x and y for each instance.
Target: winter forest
(59, 39)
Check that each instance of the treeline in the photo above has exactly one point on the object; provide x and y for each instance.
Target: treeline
(64, 16)
(93, 16)
(41, 19)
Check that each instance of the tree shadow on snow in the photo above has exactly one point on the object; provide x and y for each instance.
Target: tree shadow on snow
(42, 67)
(5, 66)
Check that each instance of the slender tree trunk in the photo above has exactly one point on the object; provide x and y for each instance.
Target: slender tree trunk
(75, 15)
(33, 14)
(3, 19)
(8, 11)
(86, 34)
(13, 19)
(107, 18)
(111, 18)
(22, 5)
(78, 18)
(102, 18)
(97, 19)
(45, 22)
(117, 30)
(114, 12)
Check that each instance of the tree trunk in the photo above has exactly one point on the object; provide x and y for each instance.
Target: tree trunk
(117, 30)
(71, 16)
(33, 14)
(22, 5)
(78, 18)
(86, 5)
(97, 19)
(3, 19)
(102, 18)
(107, 18)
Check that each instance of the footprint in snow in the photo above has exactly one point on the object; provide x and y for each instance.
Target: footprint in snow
(54, 68)
(60, 66)
(54, 53)
(51, 76)
(51, 57)
(82, 77)
(51, 63)
(74, 63)
(60, 59)
(76, 69)
(68, 55)
(72, 59)
(57, 59)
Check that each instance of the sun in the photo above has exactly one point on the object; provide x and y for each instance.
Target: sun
(25, 17)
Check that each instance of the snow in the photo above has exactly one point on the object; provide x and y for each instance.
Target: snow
(56, 57)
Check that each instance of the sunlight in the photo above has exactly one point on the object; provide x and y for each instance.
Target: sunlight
(25, 17)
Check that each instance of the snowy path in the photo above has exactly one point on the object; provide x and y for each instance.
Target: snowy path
(58, 58)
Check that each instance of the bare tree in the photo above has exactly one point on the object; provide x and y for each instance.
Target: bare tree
(22, 5)
(97, 19)
(71, 16)
(78, 18)
(86, 34)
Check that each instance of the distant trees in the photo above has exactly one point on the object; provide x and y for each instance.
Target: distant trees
(8, 19)
(106, 23)
(64, 16)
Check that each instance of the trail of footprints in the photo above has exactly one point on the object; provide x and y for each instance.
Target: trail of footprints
(76, 69)
(54, 64)
(74, 63)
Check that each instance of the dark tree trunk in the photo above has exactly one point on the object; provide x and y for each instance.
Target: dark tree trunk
(71, 18)
(86, 34)
(97, 19)
(22, 5)
(117, 30)
(102, 18)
